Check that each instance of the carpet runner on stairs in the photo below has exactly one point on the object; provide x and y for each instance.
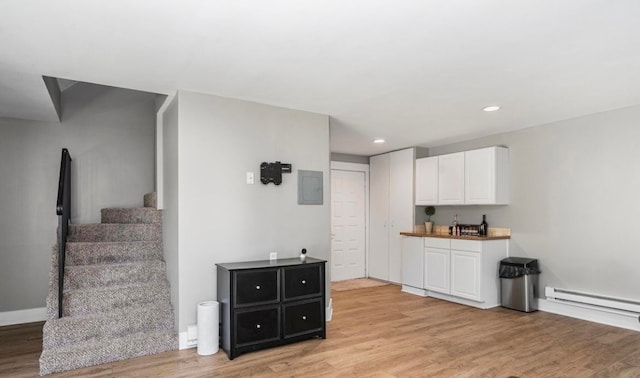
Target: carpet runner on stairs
(116, 301)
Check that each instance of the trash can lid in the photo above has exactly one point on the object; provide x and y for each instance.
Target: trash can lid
(523, 262)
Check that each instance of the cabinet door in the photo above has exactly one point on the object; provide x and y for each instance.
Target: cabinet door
(378, 262)
(427, 181)
(451, 179)
(486, 176)
(465, 274)
(437, 270)
(412, 261)
(401, 206)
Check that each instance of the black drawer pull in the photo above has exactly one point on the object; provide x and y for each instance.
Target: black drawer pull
(304, 282)
(258, 326)
(257, 287)
(304, 317)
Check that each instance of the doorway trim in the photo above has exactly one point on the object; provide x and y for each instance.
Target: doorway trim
(357, 167)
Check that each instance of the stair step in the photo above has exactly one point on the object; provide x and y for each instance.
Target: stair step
(96, 300)
(88, 253)
(135, 215)
(78, 277)
(109, 232)
(117, 300)
(106, 350)
(151, 200)
(79, 329)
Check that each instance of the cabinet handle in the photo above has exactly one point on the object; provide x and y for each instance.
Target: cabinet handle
(304, 282)
(257, 287)
(304, 317)
(258, 326)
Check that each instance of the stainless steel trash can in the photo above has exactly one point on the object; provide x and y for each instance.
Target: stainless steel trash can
(519, 283)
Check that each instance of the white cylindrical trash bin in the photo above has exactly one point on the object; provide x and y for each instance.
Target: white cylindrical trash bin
(208, 319)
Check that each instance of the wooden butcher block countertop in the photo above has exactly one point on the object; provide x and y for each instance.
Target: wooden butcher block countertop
(447, 236)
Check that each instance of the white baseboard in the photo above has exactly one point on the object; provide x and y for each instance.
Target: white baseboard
(329, 310)
(616, 318)
(464, 301)
(414, 290)
(23, 316)
(184, 342)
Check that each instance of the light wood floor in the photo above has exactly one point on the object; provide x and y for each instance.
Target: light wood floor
(383, 332)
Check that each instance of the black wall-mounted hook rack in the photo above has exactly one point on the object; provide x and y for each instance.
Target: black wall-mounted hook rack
(272, 172)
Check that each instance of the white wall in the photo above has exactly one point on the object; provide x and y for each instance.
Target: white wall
(223, 219)
(170, 178)
(110, 134)
(575, 190)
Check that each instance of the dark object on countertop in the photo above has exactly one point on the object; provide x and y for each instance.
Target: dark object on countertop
(484, 227)
(466, 230)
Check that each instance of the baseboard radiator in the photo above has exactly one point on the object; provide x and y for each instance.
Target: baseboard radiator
(616, 305)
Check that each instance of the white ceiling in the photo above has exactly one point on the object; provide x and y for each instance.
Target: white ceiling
(413, 72)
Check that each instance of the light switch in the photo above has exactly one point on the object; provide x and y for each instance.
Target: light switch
(249, 177)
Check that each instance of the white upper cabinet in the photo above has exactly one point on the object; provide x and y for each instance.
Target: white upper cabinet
(476, 177)
(451, 179)
(427, 181)
(486, 176)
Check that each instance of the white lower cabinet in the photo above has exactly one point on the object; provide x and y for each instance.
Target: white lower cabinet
(465, 275)
(412, 256)
(458, 270)
(437, 266)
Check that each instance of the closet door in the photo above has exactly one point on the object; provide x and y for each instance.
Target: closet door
(401, 206)
(378, 261)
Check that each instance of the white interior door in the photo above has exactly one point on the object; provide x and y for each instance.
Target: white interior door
(347, 225)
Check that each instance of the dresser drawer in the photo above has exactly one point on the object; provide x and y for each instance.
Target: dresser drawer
(256, 286)
(302, 281)
(257, 326)
(301, 318)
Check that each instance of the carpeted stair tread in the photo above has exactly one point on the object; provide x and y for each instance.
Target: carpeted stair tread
(105, 351)
(131, 215)
(97, 300)
(114, 232)
(77, 277)
(87, 253)
(77, 329)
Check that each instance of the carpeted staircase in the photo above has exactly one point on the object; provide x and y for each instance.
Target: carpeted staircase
(116, 301)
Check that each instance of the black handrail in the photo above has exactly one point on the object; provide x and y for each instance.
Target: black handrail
(63, 209)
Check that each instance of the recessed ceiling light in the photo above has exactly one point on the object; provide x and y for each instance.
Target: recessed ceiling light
(491, 108)
(378, 140)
